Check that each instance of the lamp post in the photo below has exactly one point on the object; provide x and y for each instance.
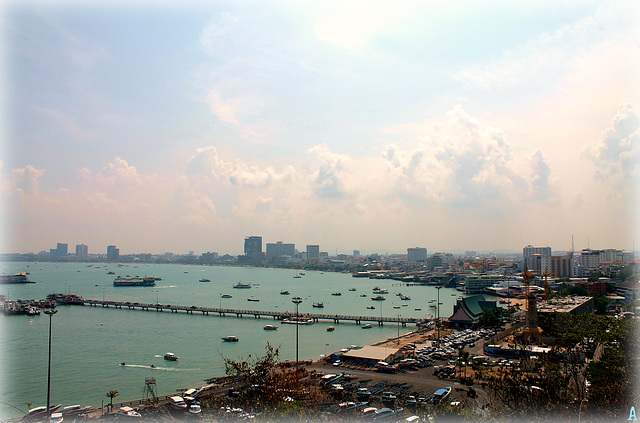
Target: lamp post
(50, 313)
(297, 302)
(438, 315)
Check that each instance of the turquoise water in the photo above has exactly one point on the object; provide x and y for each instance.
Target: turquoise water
(89, 343)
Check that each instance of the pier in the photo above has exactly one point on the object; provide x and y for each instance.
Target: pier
(239, 313)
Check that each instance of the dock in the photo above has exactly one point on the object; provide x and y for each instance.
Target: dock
(240, 313)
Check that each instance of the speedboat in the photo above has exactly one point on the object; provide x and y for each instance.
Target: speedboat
(36, 413)
(367, 326)
(195, 409)
(128, 412)
(284, 292)
(270, 327)
(227, 296)
(170, 356)
(230, 338)
(336, 293)
(205, 280)
(177, 402)
(56, 418)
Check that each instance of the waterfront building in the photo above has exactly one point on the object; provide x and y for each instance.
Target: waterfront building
(371, 355)
(113, 253)
(61, 251)
(477, 284)
(280, 250)
(252, 245)
(313, 253)
(82, 251)
(416, 255)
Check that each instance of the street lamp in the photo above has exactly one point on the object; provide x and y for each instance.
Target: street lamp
(50, 313)
(438, 315)
(297, 302)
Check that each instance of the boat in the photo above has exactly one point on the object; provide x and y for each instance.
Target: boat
(440, 395)
(128, 412)
(405, 298)
(146, 281)
(371, 308)
(318, 305)
(227, 296)
(204, 280)
(396, 306)
(241, 285)
(177, 402)
(111, 273)
(367, 326)
(417, 309)
(230, 338)
(170, 356)
(195, 409)
(296, 298)
(297, 277)
(270, 327)
(363, 295)
(330, 329)
(15, 278)
(253, 299)
(378, 298)
(297, 321)
(284, 292)
(38, 412)
(75, 409)
(352, 289)
(56, 418)
(336, 293)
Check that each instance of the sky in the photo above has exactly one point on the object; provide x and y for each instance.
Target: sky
(367, 125)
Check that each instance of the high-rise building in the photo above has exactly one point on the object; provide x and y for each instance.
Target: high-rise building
(416, 255)
(61, 250)
(530, 250)
(113, 253)
(252, 245)
(279, 249)
(82, 251)
(313, 253)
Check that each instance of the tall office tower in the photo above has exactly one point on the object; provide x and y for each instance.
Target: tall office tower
(416, 255)
(82, 251)
(530, 250)
(356, 253)
(313, 252)
(113, 253)
(62, 250)
(252, 245)
(279, 249)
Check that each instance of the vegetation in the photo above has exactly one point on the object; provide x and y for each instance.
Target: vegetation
(112, 395)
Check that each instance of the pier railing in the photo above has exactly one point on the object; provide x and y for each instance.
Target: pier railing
(257, 314)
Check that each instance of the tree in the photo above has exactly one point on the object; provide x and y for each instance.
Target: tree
(112, 395)
(489, 317)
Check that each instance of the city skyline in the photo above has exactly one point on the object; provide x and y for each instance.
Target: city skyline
(375, 126)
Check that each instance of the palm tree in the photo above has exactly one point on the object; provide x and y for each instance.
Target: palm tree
(112, 395)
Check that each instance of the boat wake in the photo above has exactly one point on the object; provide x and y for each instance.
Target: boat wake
(152, 367)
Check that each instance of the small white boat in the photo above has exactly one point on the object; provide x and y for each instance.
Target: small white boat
(318, 305)
(195, 409)
(177, 402)
(56, 418)
(170, 356)
(230, 338)
(128, 412)
(367, 326)
(75, 409)
(270, 327)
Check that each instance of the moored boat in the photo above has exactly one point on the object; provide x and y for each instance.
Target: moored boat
(241, 285)
(284, 292)
(297, 321)
(204, 280)
(440, 395)
(253, 299)
(318, 305)
(177, 402)
(230, 338)
(367, 326)
(330, 329)
(270, 327)
(38, 412)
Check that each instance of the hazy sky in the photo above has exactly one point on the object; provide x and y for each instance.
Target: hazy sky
(371, 125)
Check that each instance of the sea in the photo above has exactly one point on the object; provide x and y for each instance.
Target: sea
(89, 343)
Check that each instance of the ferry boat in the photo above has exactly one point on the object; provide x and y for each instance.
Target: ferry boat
(297, 321)
(170, 356)
(146, 281)
(15, 278)
(230, 338)
(284, 292)
(378, 298)
(241, 285)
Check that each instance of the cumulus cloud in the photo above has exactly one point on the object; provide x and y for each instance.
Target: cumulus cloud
(26, 180)
(616, 159)
(539, 179)
(328, 179)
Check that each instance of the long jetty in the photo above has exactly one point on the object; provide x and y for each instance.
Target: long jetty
(257, 314)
